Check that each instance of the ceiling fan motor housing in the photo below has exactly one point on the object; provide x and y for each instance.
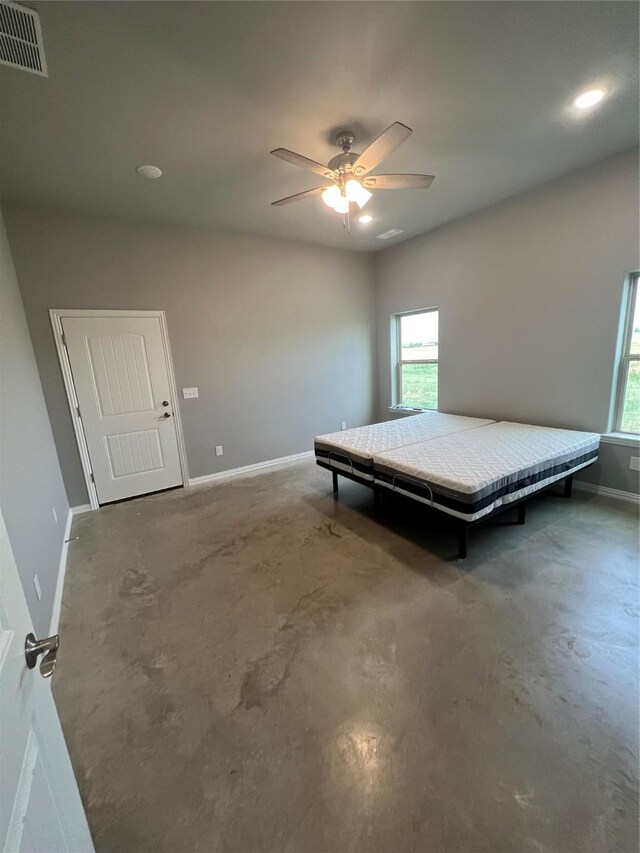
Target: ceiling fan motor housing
(343, 162)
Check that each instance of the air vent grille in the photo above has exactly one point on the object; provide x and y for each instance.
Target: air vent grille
(21, 38)
(392, 232)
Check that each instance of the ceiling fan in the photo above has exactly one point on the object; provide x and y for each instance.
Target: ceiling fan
(347, 174)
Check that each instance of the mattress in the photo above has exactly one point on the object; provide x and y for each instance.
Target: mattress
(353, 450)
(471, 473)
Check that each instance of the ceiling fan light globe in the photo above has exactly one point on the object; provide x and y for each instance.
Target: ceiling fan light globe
(342, 205)
(351, 189)
(363, 197)
(356, 192)
(331, 196)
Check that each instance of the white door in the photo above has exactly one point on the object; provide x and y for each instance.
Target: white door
(120, 373)
(40, 807)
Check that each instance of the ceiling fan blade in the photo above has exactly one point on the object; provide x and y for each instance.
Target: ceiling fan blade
(302, 162)
(398, 182)
(381, 147)
(299, 196)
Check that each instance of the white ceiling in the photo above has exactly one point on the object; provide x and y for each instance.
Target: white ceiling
(206, 89)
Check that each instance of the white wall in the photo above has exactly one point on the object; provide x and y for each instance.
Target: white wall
(278, 336)
(30, 479)
(529, 293)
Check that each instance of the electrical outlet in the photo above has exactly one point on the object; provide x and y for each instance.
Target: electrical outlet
(343, 425)
(188, 393)
(36, 583)
(219, 450)
(54, 514)
(634, 463)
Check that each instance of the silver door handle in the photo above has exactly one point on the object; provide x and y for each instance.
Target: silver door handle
(49, 647)
(167, 415)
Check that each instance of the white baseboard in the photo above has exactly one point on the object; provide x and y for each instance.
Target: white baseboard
(78, 510)
(248, 470)
(606, 492)
(62, 570)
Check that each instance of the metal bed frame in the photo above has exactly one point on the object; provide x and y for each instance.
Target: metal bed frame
(463, 526)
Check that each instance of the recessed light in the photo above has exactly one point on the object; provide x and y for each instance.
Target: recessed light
(588, 99)
(365, 219)
(151, 172)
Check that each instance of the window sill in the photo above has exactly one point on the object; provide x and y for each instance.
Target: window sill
(623, 438)
(405, 411)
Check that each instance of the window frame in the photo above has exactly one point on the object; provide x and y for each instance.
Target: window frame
(400, 361)
(631, 295)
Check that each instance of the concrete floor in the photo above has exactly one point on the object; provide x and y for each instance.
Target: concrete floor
(255, 667)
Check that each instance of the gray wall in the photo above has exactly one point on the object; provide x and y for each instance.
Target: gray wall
(278, 336)
(612, 468)
(30, 479)
(509, 282)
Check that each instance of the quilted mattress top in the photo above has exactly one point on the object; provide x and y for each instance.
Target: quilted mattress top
(478, 461)
(364, 442)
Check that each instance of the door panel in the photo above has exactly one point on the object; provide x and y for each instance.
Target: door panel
(121, 374)
(122, 383)
(133, 452)
(31, 829)
(40, 807)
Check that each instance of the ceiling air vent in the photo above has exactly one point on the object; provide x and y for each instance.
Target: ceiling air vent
(21, 38)
(392, 232)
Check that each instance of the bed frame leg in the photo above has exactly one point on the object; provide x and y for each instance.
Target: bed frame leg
(335, 482)
(521, 513)
(568, 486)
(463, 539)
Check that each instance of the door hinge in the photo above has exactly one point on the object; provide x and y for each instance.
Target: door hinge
(92, 480)
(64, 340)
(78, 411)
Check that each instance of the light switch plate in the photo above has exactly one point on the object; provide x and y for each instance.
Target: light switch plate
(634, 463)
(343, 425)
(219, 450)
(188, 393)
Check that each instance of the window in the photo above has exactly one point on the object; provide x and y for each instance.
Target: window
(628, 403)
(417, 358)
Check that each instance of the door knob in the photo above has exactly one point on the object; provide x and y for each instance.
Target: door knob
(49, 647)
(165, 402)
(167, 415)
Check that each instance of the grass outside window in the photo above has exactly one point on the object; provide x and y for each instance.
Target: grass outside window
(417, 359)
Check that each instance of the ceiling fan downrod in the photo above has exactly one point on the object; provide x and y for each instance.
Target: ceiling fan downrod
(345, 140)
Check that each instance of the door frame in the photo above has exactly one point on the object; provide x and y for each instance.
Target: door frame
(57, 315)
